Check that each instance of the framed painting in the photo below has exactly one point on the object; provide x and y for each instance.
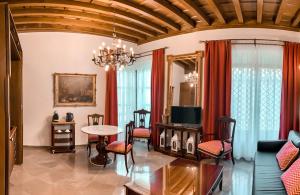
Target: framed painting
(74, 89)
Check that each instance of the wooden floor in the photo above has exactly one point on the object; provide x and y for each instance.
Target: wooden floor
(71, 174)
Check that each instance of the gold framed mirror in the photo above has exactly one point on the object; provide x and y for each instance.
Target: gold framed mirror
(184, 80)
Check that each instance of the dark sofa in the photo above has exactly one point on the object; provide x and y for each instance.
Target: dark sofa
(266, 176)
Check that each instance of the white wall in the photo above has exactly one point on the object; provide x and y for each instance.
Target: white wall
(178, 77)
(48, 53)
(188, 43)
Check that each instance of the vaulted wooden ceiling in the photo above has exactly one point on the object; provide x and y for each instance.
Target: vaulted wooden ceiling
(141, 21)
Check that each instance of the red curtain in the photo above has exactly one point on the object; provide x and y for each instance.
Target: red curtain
(217, 83)
(111, 101)
(289, 116)
(157, 91)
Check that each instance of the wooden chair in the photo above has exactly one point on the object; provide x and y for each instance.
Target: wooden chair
(122, 147)
(140, 130)
(94, 119)
(222, 141)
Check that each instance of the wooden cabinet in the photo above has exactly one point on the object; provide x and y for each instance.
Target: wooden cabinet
(12, 148)
(11, 58)
(62, 137)
(168, 128)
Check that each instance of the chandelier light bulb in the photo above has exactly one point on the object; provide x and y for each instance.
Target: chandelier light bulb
(119, 40)
(131, 49)
(108, 48)
(106, 68)
(192, 85)
(94, 51)
(121, 67)
(124, 47)
(103, 44)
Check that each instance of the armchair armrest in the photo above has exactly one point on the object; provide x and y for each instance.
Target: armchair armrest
(270, 146)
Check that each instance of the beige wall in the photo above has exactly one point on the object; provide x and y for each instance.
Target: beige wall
(45, 54)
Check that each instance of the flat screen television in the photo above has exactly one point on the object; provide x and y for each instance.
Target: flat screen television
(185, 115)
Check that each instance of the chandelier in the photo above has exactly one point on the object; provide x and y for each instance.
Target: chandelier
(191, 78)
(115, 56)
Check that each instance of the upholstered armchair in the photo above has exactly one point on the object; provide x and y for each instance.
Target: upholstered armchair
(141, 130)
(94, 119)
(221, 142)
(122, 147)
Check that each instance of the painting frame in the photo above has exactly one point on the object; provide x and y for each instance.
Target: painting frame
(57, 90)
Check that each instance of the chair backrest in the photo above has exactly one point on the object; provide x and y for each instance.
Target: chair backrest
(95, 119)
(129, 134)
(226, 129)
(139, 117)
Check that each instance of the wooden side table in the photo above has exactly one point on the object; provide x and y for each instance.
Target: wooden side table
(62, 137)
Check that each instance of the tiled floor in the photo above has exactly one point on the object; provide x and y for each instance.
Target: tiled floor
(71, 174)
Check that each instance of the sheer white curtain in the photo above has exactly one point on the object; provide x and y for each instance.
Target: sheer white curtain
(134, 89)
(256, 92)
(126, 82)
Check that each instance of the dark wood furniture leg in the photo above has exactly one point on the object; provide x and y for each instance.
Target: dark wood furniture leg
(149, 144)
(181, 144)
(131, 153)
(101, 159)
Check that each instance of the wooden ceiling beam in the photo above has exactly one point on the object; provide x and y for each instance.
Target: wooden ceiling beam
(296, 19)
(212, 4)
(193, 7)
(238, 10)
(259, 10)
(88, 7)
(80, 23)
(82, 15)
(280, 11)
(175, 10)
(149, 12)
(67, 28)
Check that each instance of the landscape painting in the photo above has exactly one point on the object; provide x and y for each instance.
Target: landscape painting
(74, 89)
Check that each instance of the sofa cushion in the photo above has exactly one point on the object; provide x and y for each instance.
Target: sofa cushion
(287, 155)
(291, 178)
(266, 159)
(294, 136)
(267, 175)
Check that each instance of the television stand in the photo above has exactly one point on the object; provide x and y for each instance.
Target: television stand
(172, 127)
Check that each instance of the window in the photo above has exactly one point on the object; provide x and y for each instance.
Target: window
(256, 93)
(134, 91)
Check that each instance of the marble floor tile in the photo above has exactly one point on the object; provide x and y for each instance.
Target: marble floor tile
(43, 173)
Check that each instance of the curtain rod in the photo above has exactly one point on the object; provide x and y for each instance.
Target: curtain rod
(202, 41)
(150, 51)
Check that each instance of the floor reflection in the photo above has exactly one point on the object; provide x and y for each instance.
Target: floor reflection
(71, 174)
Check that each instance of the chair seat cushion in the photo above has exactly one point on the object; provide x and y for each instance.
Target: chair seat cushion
(141, 132)
(93, 138)
(118, 146)
(214, 147)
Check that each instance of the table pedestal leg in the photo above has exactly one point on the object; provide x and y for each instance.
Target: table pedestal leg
(99, 159)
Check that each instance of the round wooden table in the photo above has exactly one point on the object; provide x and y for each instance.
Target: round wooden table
(101, 131)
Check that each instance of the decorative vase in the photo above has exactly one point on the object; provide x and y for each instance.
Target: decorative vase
(55, 117)
(69, 117)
